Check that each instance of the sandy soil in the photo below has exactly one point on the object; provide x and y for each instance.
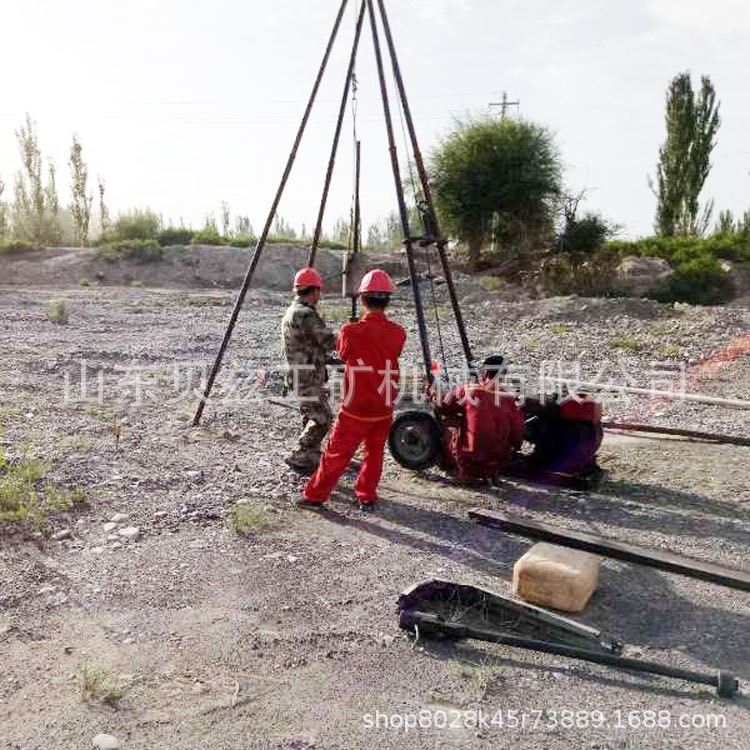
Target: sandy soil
(287, 638)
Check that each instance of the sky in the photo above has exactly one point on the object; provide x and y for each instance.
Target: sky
(183, 104)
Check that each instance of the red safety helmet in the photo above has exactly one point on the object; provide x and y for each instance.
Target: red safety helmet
(376, 282)
(306, 278)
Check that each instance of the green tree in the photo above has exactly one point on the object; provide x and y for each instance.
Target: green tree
(3, 212)
(28, 209)
(81, 204)
(505, 172)
(226, 217)
(692, 122)
(104, 220)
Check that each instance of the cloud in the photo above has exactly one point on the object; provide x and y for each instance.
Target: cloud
(717, 16)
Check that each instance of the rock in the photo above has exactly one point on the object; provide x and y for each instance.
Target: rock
(131, 532)
(637, 275)
(58, 536)
(105, 742)
(119, 518)
(111, 526)
(556, 577)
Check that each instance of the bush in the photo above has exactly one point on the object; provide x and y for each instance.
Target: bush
(208, 236)
(573, 273)
(15, 247)
(58, 311)
(243, 240)
(175, 236)
(699, 281)
(137, 225)
(585, 235)
(675, 250)
(141, 251)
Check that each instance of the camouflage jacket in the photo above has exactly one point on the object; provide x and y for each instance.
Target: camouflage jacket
(307, 342)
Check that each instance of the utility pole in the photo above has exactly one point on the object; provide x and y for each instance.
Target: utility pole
(504, 104)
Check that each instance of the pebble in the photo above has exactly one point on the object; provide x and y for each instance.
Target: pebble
(119, 518)
(58, 536)
(131, 532)
(111, 526)
(105, 742)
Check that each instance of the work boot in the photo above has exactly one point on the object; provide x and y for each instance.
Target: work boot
(302, 466)
(304, 502)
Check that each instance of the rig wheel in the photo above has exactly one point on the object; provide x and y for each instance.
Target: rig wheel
(415, 440)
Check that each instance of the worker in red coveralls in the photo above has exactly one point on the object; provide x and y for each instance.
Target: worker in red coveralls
(370, 349)
(483, 425)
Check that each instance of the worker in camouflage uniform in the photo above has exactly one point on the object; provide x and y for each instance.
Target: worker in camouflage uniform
(307, 343)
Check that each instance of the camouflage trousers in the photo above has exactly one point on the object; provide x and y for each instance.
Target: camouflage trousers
(317, 418)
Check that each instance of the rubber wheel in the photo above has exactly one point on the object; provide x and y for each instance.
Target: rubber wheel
(415, 440)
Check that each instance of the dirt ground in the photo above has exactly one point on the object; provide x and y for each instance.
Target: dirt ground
(195, 636)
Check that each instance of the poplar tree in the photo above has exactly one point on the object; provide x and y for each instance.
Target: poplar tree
(692, 122)
(81, 204)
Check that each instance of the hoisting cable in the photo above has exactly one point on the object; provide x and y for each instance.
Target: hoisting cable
(427, 231)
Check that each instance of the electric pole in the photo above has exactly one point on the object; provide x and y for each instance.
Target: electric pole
(504, 104)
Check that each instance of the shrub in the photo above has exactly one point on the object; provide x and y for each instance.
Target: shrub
(84, 283)
(675, 250)
(699, 281)
(573, 273)
(137, 225)
(586, 235)
(491, 283)
(15, 247)
(175, 236)
(209, 235)
(141, 251)
(243, 240)
(58, 311)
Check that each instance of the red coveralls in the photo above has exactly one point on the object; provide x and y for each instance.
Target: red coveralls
(370, 348)
(483, 426)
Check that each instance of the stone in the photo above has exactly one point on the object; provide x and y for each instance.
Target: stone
(58, 536)
(107, 527)
(119, 518)
(556, 577)
(105, 742)
(637, 275)
(131, 532)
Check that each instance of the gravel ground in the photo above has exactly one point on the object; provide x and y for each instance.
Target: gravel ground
(193, 636)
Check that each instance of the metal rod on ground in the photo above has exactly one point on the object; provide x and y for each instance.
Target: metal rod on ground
(267, 228)
(732, 403)
(426, 191)
(404, 214)
(724, 682)
(693, 434)
(618, 550)
(336, 136)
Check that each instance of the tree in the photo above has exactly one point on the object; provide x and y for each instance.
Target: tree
(685, 157)
(28, 208)
(581, 235)
(504, 172)
(104, 221)
(3, 212)
(81, 204)
(225, 218)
